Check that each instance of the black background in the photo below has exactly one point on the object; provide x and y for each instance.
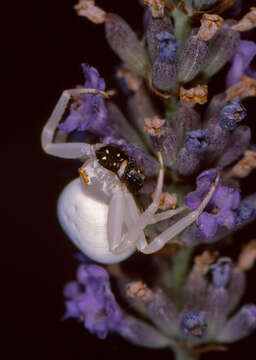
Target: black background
(44, 43)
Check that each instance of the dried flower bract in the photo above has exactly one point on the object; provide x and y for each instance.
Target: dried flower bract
(88, 9)
(210, 23)
(196, 95)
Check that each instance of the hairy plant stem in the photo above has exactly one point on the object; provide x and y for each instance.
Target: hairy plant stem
(182, 355)
(180, 264)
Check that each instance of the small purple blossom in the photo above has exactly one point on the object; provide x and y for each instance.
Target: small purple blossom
(220, 210)
(197, 140)
(90, 299)
(246, 51)
(232, 114)
(89, 112)
(193, 322)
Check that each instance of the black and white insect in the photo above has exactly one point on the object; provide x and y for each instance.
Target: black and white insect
(113, 159)
(98, 210)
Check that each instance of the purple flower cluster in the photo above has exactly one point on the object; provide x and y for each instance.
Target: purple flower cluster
(241, 62)
(89, 114)
(220, 210)
(90, 300)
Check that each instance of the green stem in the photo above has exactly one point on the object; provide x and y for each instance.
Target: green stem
(179, 271)
(181, 355)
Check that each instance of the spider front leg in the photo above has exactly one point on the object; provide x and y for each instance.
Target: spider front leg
(63, 149)
(159, 241)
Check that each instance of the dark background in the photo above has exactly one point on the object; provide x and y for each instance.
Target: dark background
(44, 43)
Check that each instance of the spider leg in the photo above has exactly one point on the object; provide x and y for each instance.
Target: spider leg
(147, 217)
(63, 149)
(159, 241)
(122, 210)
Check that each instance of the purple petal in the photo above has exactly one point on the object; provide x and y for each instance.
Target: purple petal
(207, 224)
(245, 53)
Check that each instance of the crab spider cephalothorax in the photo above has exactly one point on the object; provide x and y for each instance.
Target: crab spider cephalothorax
(98, 211)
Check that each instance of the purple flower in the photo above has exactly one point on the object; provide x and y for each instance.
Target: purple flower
(89, 112)
(246, 50)
(220, 209)
(90, 299)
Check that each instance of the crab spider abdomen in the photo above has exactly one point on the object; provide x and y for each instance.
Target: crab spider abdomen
(83, 213)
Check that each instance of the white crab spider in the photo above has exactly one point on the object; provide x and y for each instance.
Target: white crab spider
(97, 211)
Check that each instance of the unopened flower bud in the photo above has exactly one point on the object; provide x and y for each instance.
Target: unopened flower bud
(220, 272)
(140, 106)
(239, 142)
(168, 46)
(166, 142)
(218, 140)
(186, 119)
(193, 322)
(188, 161)
(231, 114)
(197, 140)
(162, 312)
(164, 74)
(240, 325)
(156, 26)
(192, 58)
(221, 49)
(125, 43)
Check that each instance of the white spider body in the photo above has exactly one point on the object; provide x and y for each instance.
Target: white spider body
(83, 213)
(97, 211)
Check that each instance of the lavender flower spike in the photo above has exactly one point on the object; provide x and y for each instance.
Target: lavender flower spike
(90, 299)
(246, 51)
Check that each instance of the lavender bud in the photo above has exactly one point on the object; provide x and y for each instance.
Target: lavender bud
(155, 27)
(117, 120)
(140, 106)
(186, 119)
(239, 142)
(195, 289)
(236, 287)
(188, 161)
(240, 325)
(221, 49)
(192, 58)
(125, 43)
(162, 312)
(245, 212)
(167, 144)
(216, 307)
(193, 322)
(220, 272)
(203, 5)
(219, 138)
(164, 74)
(168, 46)
(231, 114)
(140, 333)
(197, 141)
